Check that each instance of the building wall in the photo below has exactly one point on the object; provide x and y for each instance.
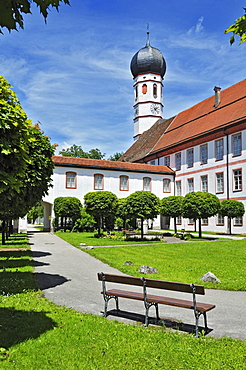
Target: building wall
(214, 169)
(111, 182)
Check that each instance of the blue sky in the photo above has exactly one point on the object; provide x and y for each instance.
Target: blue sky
(73, 74)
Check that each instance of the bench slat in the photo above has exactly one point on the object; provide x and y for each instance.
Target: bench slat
(121, 279)
(202, 307)
(175, 286)
(151, 283)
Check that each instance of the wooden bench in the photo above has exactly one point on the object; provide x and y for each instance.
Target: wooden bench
(153, 300)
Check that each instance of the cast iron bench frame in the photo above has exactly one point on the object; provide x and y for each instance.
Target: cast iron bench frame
(153, 300)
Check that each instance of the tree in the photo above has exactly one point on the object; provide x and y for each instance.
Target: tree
(143, 205)
(14, 134)
(68, 209)
(36, 180)
(78, 152)
(198, 205)
(172, 207)
(100, 204)
(11, 11)
(25, 159)
(238, 28)
(116, 156)
(231, 208)
(34, 213)
(86, 222)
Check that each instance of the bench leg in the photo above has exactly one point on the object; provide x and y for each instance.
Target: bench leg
(147, 316)
(106, 300)
(205, 321)
(117, 303)
(157, 312)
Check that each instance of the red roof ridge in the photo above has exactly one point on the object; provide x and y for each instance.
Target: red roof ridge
(114, 165)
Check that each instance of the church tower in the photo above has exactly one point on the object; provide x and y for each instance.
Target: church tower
(148, 68)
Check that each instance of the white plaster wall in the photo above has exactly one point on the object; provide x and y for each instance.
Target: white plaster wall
(210, 169)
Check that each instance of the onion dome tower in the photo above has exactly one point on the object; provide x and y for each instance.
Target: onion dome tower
(148, 68)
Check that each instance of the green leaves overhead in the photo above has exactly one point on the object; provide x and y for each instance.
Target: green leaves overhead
(11, 11)
(238, 28)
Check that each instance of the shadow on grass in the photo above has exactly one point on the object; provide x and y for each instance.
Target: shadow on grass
(18, 326)
(19, 282)
(164, 322)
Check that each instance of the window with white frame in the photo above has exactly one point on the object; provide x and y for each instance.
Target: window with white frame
(204, 153)
(204, 183)
(204, 221)
(219, 149)
(98, 181)
(71, 180)
(220, 220)
(238, 221)
(190, 183)
(178, 220)
(167, 161)
(147, 184)
(166, 185)
(178, 161)
(190, 158)
(178, 188)
(236, 144)
(124, 183)
(219, 182)
(191, 221)
(237, 180)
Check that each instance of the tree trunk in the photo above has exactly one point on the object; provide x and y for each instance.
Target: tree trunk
(229, 225)
(200, 227)
(175, 225)
(99, 223)
(3, 232)
(142, 228)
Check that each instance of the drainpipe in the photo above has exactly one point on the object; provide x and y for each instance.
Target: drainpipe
(227, 180)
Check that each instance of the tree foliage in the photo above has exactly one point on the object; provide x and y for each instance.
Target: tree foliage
(78, 152)
(14, 134)
(231, 208)
(116, 156)
(26, 166)
(68, 209)
(143, 205)
(238, 28)
(11, 11)
(100, 204)
(198, 205)
(86, 222)
(172, 206)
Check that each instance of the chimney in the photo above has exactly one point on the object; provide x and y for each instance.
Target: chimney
(217, 96)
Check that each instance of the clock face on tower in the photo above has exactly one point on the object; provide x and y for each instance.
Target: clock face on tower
(155, 109)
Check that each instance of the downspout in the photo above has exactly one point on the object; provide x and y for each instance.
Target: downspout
(227, 180)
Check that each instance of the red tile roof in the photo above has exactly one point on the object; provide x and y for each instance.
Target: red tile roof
(110, 165)
(145, 143)
(204, 118)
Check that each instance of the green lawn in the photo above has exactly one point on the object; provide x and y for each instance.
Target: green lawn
(89, 239)
(37, 334)
(184, 262)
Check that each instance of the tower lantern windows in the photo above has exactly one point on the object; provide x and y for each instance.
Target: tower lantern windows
(155, 91)
(144, 89)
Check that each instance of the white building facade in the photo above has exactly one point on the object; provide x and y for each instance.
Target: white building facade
(77, 176)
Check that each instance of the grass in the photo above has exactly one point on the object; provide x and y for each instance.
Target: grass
(88, 238)
(37, 334)
(184, 262)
